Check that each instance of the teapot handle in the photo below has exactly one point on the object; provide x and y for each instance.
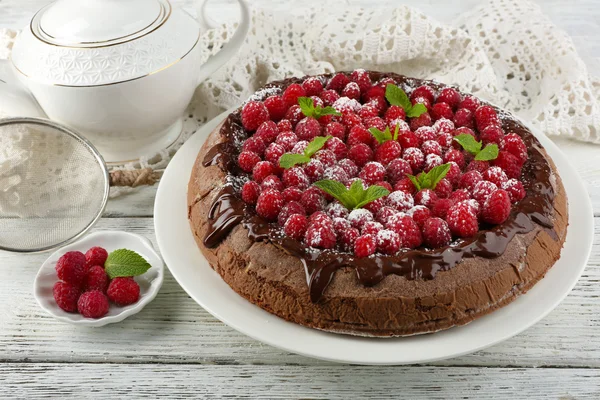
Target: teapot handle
(230, 48)
(15, 99)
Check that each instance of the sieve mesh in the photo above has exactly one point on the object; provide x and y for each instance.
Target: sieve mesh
(53, 185)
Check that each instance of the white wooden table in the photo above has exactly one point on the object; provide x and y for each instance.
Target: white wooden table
(175, 348)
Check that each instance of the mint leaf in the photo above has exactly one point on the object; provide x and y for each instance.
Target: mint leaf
(124, 262)
(355, 189)
(307, 106)
(356, 196)
(337, 190)
(397, 97)
(380, 136)
(490, 152)
(415, 181)
(416, 110)
(468, 143)
(315, 145)
(429, 180)
(288, 160)
(321, 112)
(396, 129)
(371, 194)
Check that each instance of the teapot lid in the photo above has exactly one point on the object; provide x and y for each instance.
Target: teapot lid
(97, 23)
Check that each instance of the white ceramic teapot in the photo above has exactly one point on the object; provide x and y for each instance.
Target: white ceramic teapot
(121, 72)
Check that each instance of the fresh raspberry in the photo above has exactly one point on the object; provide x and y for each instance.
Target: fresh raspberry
(441, 110)
(515, 190)
(319, 217)
(388, 241)
(383, 82)
(443, 125)
(372, 172)
(449, 96)
(482, 190)
(348, 237)
(408, 139)
(431, 147)
(379, 103)
(368, 110)
(250, 192)
(291, 94)
(464, 117)
(271, 182)
(96, 256)
(386, 185)
(341, 224)
(394, 113)
(267, 132)
(350, 119)
(312, 86)
(432, 161)
(336, 210)
(477, 165)
(426, 133)
(362, 79)
(405, 185)
(420, 214)
(293, 207)
(294, 114)
(269, 204)
(359, 217)
(496, 209)
(375, 122)
(485, 116)
(314, 170)
(95, 279)
(337, 147)
(374, 92)
(261, 170)
(284, 126)
(295, 177)
(308, 129)
(495, 175)
(469, 179)
(336, 130)
(290, 194)
(273, 152)
(364, 246)
(514, 145)
(454, 173)
(123, 291)
(397, 169)
(351, 91)
(456, 156)
(276, 107)
(384, 214)
(423, 91)
(509, 163)
(360, 154)
(422, 120)
(299, 147)
(422, 100)
(254, 113)
(321, 236)
(329, 97)
(71, 268)
(440, 208)
(400, 201)
(492, 134)
(371, 228)
(407, 229)
(359, 134)
(287, 140)
(443, 189)
(338, 82)
(445, 140)
(436, 233)
(462, 220)
(66, 295)
(295, 226)
(470, 103)
(312, 201)
(349, 166)
(327, 157)
(425, 197)
(93, 304)
(460, 195)
(255, 145)
(375, 205)
(414, 157)
(336, 173)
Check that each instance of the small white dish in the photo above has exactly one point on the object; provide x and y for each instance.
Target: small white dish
(150, 282)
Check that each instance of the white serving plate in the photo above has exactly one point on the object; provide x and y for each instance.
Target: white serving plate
(150, 282)
(196, 277)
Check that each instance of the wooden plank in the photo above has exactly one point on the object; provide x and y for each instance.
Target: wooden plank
(174, 329)
(30, 381)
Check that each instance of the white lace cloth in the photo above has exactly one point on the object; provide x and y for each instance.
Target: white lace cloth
(505, 51)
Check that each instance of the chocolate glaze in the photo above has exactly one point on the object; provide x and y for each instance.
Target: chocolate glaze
(228, 210)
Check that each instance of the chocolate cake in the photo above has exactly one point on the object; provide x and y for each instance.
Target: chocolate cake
(443, 211)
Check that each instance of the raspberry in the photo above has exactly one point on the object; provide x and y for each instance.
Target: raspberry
(485, 116)
(397, 169)
(431, 147)
(394, 113)
(374, 92)
(483, 190)
(348, 107)
(267, 132)
(261, 170)
(495, 175)
(254, 113)
(312, 201)
(456, 156)
(379, 103)
(95, 279)
(464, 117)
(469, 180)
(371, 228)
(441, 110)
(276, 107)
(274, 152)
(348, 238)
(351, 91)
(440, 208)
(293, 207)
(423, 91)
(384, 214)
(436, 233)
(388, 151)
(314, 170)
(284, 125)
(271, 182)
(509, 163)
(445, 140)
(291, 94)
(460, 195)
(319, 217)
(375, 122)
(432, 161)
(295, 226)
(66, 296)
(470, 103)
(359, 217)
(338, 147)
(414, 157)
(368, 111)
(123, 291)
(338, 82)
(329, 97)
(364, 246)
(453, 174)
(408, 139)
(294, 114)
(351, 120)
(96, 256)
(383, 82)
(93, 304)
(407, 229)
(405, 185)
(422, 120)
(362, 79)
(477, 165)
(443, 125)
(287, 140)
(250, 192)
(426, 133)
(400, 201)
(290, 194)
(496, 208)
(425, 197)
(336, 173)
(336, 130)
(327, 157)
(340, 225)
(295, 177)
(269, 204)
(349, 166)
(255, 145)
(71, 268)
(462, 220)
(359, 134)
(388, 241)
(336, 210)
(443, 189)
(386, 185)
(360, 154)
(514, 145)
(492, 134)
(299, 147)
(308, 129)
(449, 96)
(321, 236)
(515, 190)
(372, 172)
(312, 86)
(420, 214)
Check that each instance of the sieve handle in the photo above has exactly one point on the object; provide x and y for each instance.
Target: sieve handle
(135, 177)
